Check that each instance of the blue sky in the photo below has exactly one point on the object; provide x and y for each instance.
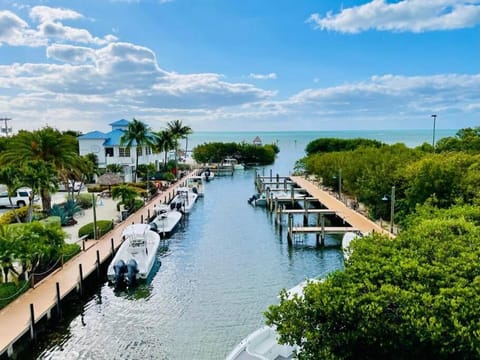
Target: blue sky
(241, 64)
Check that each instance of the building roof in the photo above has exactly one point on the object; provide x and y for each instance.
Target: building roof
(121, 122)
(113, 138)
(93, 135)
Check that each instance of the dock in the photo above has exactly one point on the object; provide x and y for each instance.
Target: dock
(20, 318)
(311, 193)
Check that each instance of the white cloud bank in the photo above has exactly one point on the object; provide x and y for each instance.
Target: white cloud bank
(90, 82)
(402, 16)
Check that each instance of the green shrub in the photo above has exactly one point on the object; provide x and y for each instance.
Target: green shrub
(52, 220)
(69, 251)
(10, 291)
(138, 204)
(84, 201)
(9, 216)
(103, 226)
(96, 188)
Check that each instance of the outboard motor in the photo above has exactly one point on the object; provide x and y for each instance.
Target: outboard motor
(195, 190)
(172, 206)
(153, 227)
(207, 174)
(179, 206)
(132, 270)
(253, 198)
(120, 269)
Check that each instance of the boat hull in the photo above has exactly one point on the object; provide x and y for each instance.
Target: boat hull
(141, 244)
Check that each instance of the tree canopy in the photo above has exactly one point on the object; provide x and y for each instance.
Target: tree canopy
(216, 152)
(413, 297)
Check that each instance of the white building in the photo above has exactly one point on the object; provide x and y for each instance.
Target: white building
(107, 148)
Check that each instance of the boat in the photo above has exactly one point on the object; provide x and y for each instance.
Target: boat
(135, 258)
(258, 199)
(263, 342)
(233, 163)
(346, 240)
(166, 220)
(195, 183)
(208, 174)
(184, 200)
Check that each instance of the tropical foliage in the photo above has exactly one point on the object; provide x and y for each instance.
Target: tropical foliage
(42, 157)
(138, 134)
(412, 297)
(216, 152)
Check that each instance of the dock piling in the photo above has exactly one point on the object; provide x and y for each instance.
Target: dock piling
(59, 304)
(32, 323)
(98, 264)
(80, 270)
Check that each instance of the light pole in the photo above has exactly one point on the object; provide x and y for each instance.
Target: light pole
(392, 207)
(339, 183)
(433, 140)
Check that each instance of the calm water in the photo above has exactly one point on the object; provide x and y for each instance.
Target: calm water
(221, 270)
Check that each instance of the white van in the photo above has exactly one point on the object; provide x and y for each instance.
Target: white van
(19, 199)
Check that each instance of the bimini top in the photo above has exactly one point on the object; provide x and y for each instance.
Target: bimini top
(135, 230)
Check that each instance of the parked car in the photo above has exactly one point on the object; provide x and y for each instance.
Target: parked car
(19, 199)
(72, 185)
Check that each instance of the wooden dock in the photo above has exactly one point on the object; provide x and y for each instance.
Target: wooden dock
(19, 317)
(355, 219)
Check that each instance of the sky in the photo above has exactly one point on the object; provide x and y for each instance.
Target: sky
(240, 65)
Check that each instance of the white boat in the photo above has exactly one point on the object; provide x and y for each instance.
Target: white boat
(346, 240)
(233, 163)
(263, 343)
(208, 174)
(258, 200)
(166, 220)
(195, 183)
(136, 256)
(184, 200)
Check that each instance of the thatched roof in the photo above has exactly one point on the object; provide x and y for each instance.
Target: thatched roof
(110, 179)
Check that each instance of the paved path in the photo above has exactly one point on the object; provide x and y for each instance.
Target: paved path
(15, 318)
(352, 217)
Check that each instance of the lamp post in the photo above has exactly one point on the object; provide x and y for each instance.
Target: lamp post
(339, 183)
(392, 207)
(434, 116)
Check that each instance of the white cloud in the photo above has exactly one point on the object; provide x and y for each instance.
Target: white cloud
(392, 95)
(271, 76)
(48, 14)
(402, 16)
(14, 31)
(70, 54)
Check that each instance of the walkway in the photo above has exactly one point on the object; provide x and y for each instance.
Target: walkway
(350, 216)
(15, 318)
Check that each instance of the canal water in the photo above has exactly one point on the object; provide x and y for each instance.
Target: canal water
(221, 270)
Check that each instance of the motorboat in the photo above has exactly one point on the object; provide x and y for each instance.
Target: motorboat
(208, 174)
(346, 240)
(263, 342)
(195, 183)
(259, 199)
(184, 200)
(233, 163)
(136, 256)
(166, 220)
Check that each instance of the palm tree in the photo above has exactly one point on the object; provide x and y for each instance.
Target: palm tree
(164, 143)
(126, 195)
(178, 131)
(47, 146)
(138, 134)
